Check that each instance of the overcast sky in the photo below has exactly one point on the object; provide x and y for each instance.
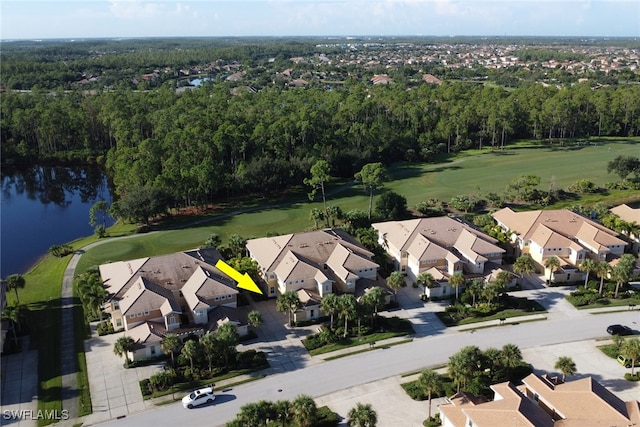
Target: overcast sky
(29, 19)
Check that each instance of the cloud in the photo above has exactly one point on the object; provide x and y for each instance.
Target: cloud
(134, 9)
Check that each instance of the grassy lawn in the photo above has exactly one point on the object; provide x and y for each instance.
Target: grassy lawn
(464, 173)
(355, 341)
(504, 314)
(606, 302)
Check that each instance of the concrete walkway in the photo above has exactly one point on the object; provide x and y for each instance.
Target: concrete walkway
(19, 392)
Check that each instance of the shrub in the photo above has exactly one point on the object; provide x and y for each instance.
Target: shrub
(145, 387)
(252, 359)
(326, 417)
(433, 421)
(105, 328)
(634, 377)
(60, 250)
(162, 380)
(583, 186)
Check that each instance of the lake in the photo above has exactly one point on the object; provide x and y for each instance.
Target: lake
(45, 206)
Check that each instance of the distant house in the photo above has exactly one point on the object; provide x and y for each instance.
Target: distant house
(429, 78)
(541, 402)
(440, 246)
(560, 233)
(632, 217)
(381, 79)
(182, 293)
(313, 264)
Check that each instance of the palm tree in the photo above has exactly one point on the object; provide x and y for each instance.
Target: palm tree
(209, 344)
(566, 365)
(464, 364)
(92, 293)
(368, 237)
(510, 357)
(227, 336)
(123, 346)
(524, 265)
(475, 290)
(304, 410)
(254, 318)
(347, 309)
(431, 382)
(456, 280)
(552, 263)
(329, 305)
(190, 350)
(237, 244)
(631, 350)
(588, 266)
(282, 410)
(602, 271)
(288, 302)
(254, 414)
(14, 282)
(362, 415)
(171, 344)
(316, 215)
(14, 314)
(426, 280)
(374, 298)
(395, 282)
(623, 271)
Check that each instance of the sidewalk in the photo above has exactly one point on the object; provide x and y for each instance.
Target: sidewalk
(19, 390)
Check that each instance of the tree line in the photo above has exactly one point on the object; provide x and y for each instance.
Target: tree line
(207, 143)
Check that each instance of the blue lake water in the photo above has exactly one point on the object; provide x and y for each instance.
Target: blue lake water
(45, 206)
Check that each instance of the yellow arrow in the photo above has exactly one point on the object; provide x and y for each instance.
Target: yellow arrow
(244, 280)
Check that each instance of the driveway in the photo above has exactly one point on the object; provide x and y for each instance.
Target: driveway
(115, 391)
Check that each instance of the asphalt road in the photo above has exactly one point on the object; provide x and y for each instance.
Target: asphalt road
(325, 378)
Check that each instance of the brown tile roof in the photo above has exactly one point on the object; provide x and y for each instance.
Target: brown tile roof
(294, 255)
(562, 221)
(627, 213)
(583, 402)
(145, 295)
(446, 232)
(203, 286)
(147, 333)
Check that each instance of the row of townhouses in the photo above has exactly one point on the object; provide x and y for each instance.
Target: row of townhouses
(184, 293)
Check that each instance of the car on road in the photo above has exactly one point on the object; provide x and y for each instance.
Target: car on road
(626, 362)
(198, 397)
(619, 330)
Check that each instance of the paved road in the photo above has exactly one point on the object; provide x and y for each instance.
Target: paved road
(335, 376)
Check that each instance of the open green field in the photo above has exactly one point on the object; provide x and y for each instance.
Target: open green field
(469, 172)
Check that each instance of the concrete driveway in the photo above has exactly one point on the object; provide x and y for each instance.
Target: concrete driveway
(115, 391)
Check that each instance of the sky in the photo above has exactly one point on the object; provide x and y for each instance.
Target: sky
(31, 19)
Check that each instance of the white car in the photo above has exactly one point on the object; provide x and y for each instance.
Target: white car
(198, 397)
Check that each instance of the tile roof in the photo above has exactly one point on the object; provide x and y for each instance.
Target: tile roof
(447, 233)
(301, 255)
(627, 213)
(145, 295)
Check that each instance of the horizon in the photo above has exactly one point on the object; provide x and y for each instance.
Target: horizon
(130, 19)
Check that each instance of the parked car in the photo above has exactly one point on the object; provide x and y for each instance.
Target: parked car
(198, 397)
(619, 330)
(627, 362)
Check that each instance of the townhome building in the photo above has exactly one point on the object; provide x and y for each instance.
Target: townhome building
(440, 246)
(541, 401)
(560, 233)
(313, 264)
(182, 293)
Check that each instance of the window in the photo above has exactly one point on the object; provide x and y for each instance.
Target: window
(217, 298)
(116, 306)
(132, 315)
(139, 314)
(146, 312)
(272, 290)
(312, 314)
(229, 296)
(172, 320)
(153, 349)
(118, 322)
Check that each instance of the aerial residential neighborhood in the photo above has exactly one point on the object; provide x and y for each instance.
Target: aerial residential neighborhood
(321, 231)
